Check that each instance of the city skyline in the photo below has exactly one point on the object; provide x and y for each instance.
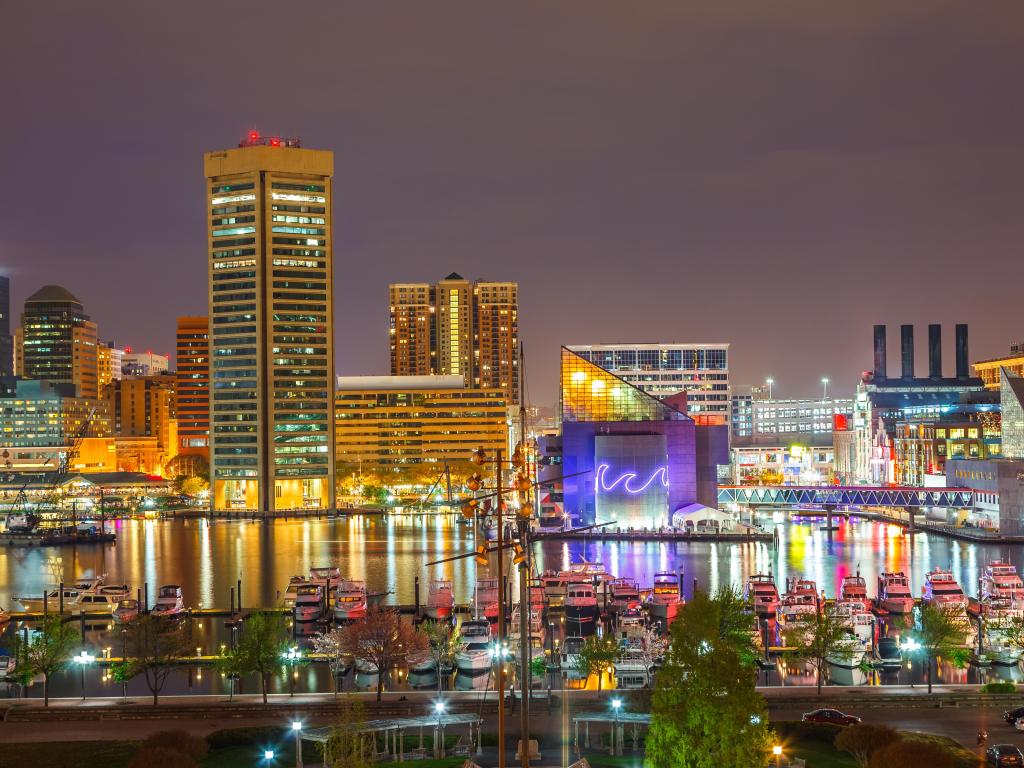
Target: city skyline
(827, 223)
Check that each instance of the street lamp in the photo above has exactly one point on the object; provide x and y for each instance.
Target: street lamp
(824, 388)
(439, 730)
(268, 755)
(297, 730)
(770, 382)
(616, 735)
(83, 659)
(777, 751)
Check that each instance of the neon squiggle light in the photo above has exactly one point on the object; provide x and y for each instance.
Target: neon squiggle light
(625, 479)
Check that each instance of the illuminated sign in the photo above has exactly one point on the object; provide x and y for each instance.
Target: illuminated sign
(626, 480)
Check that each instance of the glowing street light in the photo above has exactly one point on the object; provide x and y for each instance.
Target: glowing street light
(297, 730)
(777, 751)
(268, 755)
(824, 388)
(771, 383)
(83, 659)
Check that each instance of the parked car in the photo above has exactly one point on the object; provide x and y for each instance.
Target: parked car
(1004, 754)
(831, 717)
(1012, 716)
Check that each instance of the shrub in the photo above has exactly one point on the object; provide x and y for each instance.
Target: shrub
(178, 741)
(1003, 687)
(862, 740)
(161, 757)
(912, 754)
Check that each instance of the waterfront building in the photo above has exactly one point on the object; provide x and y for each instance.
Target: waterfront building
(742, 409)
(922, 447)
(193, 386)
(806, 459)
(699, 370)
(387, 423)
(109, 359)
(6, 339)
(144, 407)
(629, 457)
(272, 329)
(457, 328)
(57, 341)
(146, 363)
(989, 370)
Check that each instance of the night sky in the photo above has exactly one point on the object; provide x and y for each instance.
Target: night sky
(775, 175)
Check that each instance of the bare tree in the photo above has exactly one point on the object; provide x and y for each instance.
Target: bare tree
(155, 644)
(382, 639)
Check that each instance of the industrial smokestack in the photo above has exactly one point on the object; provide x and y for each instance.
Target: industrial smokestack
(907, 350)
(879, 353)
(962, 366)
(935, 351)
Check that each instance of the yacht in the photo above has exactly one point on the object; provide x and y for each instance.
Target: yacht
(846, 664)
(169, 601)
(422, 669)
(52, 599)
(126, 611)
(94, 602)
(625, 593)
(308, 606)
(632, 668)
(941, 589)
(474, 657)
(440, 601)
(665, 600)
(327, 577)
(485, 598)
(762, 593)
(349, 600)
(581, 609)
(571, 649)
(290, 592)
(794, 614)
(859, 620)
(894, 593)
(803, 592)
(1000, 579)
(632, 622)
(854, 588)
(999, 614)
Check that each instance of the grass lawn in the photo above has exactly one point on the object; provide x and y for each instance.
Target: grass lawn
(73, 754)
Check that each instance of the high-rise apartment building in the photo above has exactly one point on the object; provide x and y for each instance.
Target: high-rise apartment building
(699, 370)
(109, 360)
(457, 328)
(6, 340)
(58, 341)
(193, 380)
(271, 326)
(144, 406)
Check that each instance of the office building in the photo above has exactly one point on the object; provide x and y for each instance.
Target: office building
(146, 363)
(741, 411)
(457, 328)
(272, 329)
(144, 407)
(58, 341)
(794, 417)
(6, 339)
(193, 386)
(109, 359)
(989, 370)
(396, 422)
(699, 370)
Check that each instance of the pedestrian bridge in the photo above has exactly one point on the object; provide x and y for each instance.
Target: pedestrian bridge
(836, 496)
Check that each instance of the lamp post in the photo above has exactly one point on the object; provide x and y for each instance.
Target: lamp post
(293, 656)
(824, 388)
(297, 730)
(83, 659)
(268, 756)
(770, 382)
(439, 730)
(616, 736)
(777, 751)
(908, 647)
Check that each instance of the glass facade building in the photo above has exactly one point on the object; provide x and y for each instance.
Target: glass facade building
(1011, 406)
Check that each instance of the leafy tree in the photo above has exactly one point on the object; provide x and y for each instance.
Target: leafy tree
(912, 754)
(155, 644)
(383, 639)
(941, 631)
(47, 651)
(820, 635)
(596, 657)
(261, 644)
(191, 486)
(344, 745)
(862, 740)
(444, 642)
(706, 710)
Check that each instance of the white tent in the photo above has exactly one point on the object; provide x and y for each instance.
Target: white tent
(700, 517)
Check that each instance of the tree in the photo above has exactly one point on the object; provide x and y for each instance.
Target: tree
(46, 652)
(191, 486)
(596, 657)
(328, 645)
(941, 631)
(261, 644)
(383, 639)
(444, 642)
(820, 635)
(344, 745)
(706, 711)
(155, 645)
(862, 740)
(912, 753)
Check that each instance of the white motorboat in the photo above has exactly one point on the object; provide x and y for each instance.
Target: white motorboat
(52, 600)
(847, 665)
(169, 601)
(794, 615)
(581, 609)
(941, 589)
(309, 599)
(485, 599)
(632, 668)
(474, 657)
(665, 599)
(349, 600)
(95, 602)
(290, 592)
(894, 593)
(440, 600)
(762, 594)
(570, 656)
(1001, 580)
(326, 577)
(126, 611)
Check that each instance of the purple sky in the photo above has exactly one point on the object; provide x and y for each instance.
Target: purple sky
(777, 176)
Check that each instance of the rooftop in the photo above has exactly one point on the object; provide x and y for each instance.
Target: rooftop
(398, 383)
(53, 293)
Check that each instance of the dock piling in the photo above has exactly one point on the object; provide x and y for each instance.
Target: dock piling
(60, 598)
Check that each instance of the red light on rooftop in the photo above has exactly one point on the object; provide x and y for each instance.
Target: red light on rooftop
(253, 135)
(275, 142)
(128, 350)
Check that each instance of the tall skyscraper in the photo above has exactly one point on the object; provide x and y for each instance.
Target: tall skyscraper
(457, 328)
(193, 375)
(272, 328)
(6, 340)
(58, 341)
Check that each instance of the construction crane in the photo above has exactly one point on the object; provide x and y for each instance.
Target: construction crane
(65, 460)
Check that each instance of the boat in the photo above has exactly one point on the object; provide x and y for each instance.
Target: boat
(632, 668)
(859, 621)
(894, 593)
(999, 614)
(941, 589)
(288, 601)
(625, 593)
(126, 611)
(349, 600)
(846, 665)
(665, 599)
(169, 601)
(51, 601)
(570, 657)
(762, 593)
(803, 592)
(422, 670)
(1001, 580)
(440, 600)
(308, 606)
(95, 602)
(794, 614)
(581, 609)
(854, 588)
(485, 599)
(886, 654)
(326, 577)
(557, 582)
(474, 657)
